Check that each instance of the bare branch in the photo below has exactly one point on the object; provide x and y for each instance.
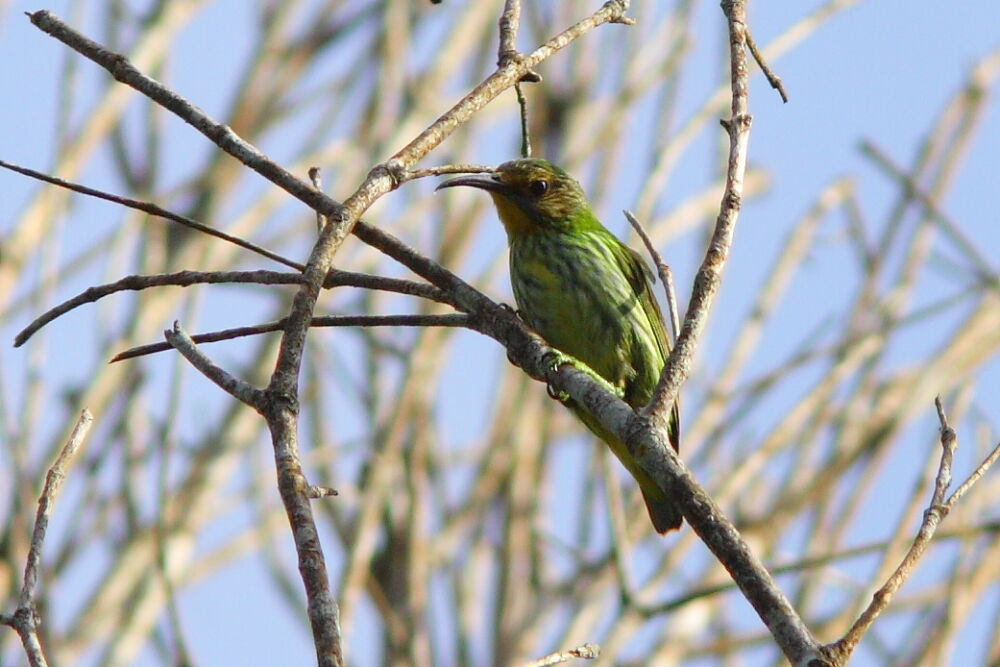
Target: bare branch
(412, 174)
(666, 275)
(390, 554)
(335, 278)
(509, 23)
(138, 283)
(180, 341)
(771, 77)
(974, 477)
(25, 618)
(279, 405)
(842, 649)
(586, 652)
(153, 209)
(447, 320)
(709, 275)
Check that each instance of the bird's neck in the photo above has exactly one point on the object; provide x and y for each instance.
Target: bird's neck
(514, 219)
(519, 224)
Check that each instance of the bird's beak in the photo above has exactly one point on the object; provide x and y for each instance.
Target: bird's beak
(489, 181)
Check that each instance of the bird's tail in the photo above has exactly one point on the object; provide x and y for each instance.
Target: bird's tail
(662, 511)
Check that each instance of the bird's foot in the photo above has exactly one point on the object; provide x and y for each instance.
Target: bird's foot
(555, 359)
(510, 309)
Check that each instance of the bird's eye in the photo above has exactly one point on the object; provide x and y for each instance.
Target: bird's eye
(538, 188)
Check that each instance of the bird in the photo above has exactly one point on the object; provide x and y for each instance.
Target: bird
(586, 293)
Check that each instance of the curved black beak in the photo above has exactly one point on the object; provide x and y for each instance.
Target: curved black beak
(489, 181)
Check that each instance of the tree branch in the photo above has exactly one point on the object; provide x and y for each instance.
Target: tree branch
(25, 619)
(709, 276)
(446, 320)
(938, 508)
(154, 210)
(246, 393)
(280, 402)
(334, 278)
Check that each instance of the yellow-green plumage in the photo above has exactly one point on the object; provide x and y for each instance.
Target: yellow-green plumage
(587, 294)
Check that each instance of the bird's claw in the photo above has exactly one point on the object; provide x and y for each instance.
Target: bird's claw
(554, 359)
(510, 309)
(560, 396)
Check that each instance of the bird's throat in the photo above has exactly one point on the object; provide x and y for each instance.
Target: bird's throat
(514, 219)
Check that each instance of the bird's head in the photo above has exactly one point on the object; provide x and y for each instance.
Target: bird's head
(532, 195)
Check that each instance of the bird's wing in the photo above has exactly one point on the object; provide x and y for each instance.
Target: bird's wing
(640, 276)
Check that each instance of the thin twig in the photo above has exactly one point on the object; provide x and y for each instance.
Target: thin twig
(53, 482)
(666, 275)
(522, 105)
(675, 322)
(25, 619)
(949, 443)
(335, 278)
(586, 651)
(316, 178)
(446, 320)
(138, 283)
(772, 78)
(974, 477)
(153, 209)
(509, 24)
(180, 341)
(842, 649)
(412, 174)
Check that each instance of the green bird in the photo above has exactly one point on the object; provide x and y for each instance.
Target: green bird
(586, 293)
